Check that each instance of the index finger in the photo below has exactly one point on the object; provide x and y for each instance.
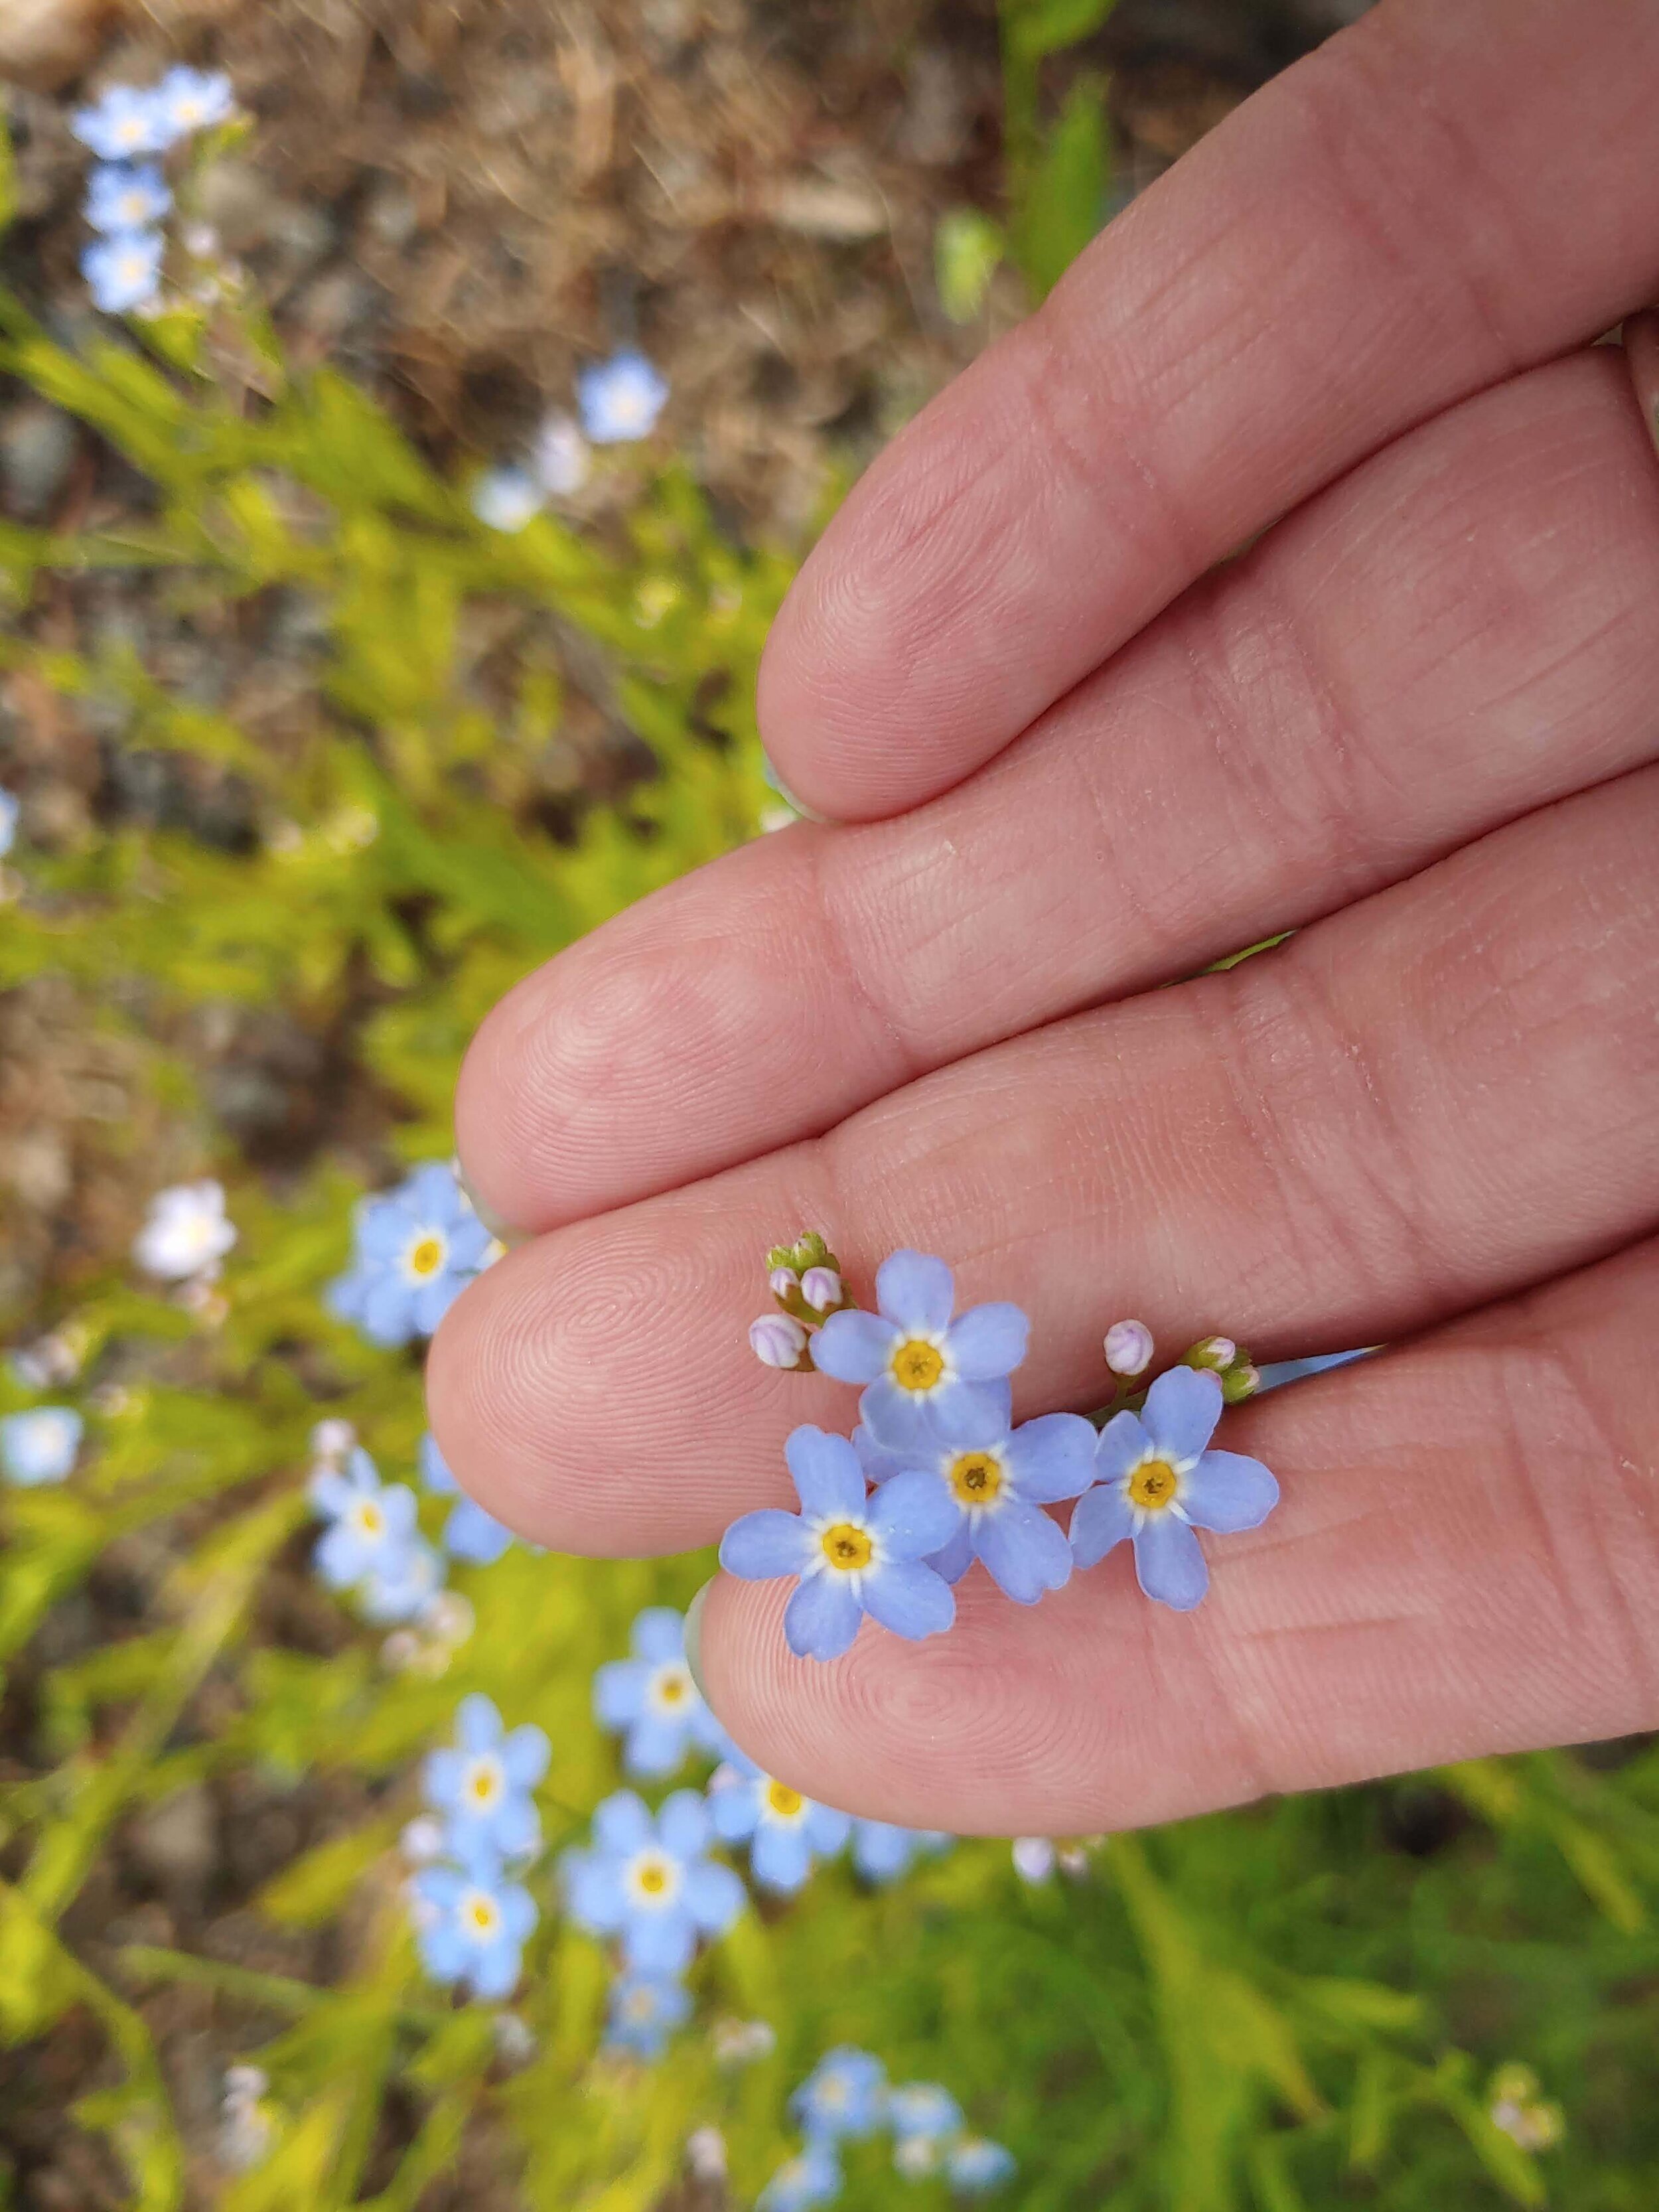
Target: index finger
(1433, 200)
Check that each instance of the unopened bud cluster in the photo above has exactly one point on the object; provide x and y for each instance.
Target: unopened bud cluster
(805, 1280)
(1130, 1352)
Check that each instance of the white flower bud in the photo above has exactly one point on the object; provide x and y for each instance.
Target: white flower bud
(1128, 1348)
(333, 1440)
(777, 1341)
(1217, 1352)
(705, 2154)
(422, 1840)
(821, 1288)
(782, 1281)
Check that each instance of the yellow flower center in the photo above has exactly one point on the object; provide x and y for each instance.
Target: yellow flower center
(483, 1783)
(480, 1912)
(671, 1689)
(428, 1256)
(976, 1478)
(847, 1547)
(1153, 1484)
(784, 1801)
(370, 1519)
(654, 1877)
(917, 1365)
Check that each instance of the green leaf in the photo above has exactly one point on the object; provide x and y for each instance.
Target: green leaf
(1038, 28)
(967, 247)
(1065, 201)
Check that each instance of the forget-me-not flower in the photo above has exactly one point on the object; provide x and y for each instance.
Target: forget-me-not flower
(123, 195)
(470, 1533)
(648, 1879)
(185, 1233)
(1158, 1481)
(924, 1374)
(39, 1446)
(975, 2164)
(652, 1700)
(882, 1852)
(812, 2178)
(621, 398)
(784, 1831)
(125, 273)
(481, 1783)
(643, 2012)
(997, 1479)
(506, 499)
(403, 1582)
(922, 2110)
(854, 1554)
(189, 99)
(124, 125)
(843, 2098)
(370, 1522)
(418, 1246)
(471, 1924)
(9, 811)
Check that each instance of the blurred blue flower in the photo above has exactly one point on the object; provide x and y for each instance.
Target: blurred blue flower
(621, 398)
(784, 1831)
(852, 1554)
(843, 2098)
(124, 124)
(416, 1249)
(371, 1522)
(652, 1700)
(648, 1880)
(1158, 1482)
(506, 499)
(9, 811)
(998, 1479)
(882, 1852)
(922, 2110)
(812, 2176)
(186, 1233)
(188, 100)
(483, 1782)
(470, 1533)
(403, 1582)
(124, 273)
(926, 1374)
(975, 2164)
(471, 1924)
(39, 1446)
(122, 196)
(644, 2011)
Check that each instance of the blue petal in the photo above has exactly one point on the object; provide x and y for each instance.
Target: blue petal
(519, 1914)
(827, 1830)
(474, 1536)
(915, 1293)
(714, 1896)
(734, 1807)
(822, 1618)
(435, 1470)
(382, 1229)
(444, 1952)
(655, 1747)
(763, 1546)
(961, 1413)
(954, 1561)
(915, 1514)
(1123, 1445)
(879, 1464)
(683, 1824)
(477, 1724)
(331, 1493)
(1051, 1458)
(1169, 1564)
(897, 1421)
(1025, 1551)
(779, 1858)
(496, 1970)
(1104, 1518)
(660, 1943)
(1183, 1408)
(911, 1600)
(658, 1634)
(1227, 1491)
(854, 1347)
(826, 1474)
(621, 1825)
(340, 1557)
(469, 1241)
(433, 1300)
(524, 1754)
(386, 1319)
(881, 1853)
(442, 1776)
(431, 1192)
(988, 1342)
(619, 1691)
(399, 1510)
(593, 1893)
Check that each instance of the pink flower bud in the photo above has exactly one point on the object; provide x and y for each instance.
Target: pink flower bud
(1240, 1382)
(776, 1341)
(821, 1288)
(781, 1281)
(1217, 1352)
(1128, 1348)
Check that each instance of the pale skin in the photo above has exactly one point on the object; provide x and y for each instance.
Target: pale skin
(1069, 762)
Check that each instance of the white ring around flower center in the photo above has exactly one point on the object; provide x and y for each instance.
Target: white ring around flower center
(482, 1782)
(670, 1690)
(653, 1879)
(480, 1916)
(367, 1519)
(426, 1254)
(836, 1553)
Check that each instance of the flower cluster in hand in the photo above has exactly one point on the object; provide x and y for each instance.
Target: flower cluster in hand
(128, 196)
(846, 2099)
(416, 1247)
(936, 1475)
(472, 1916)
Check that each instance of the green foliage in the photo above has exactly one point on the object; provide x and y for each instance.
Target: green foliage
(1276, 2008)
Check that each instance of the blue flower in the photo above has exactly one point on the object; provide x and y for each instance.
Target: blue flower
(470, 1533)
(882, 1852)
(506, 499)
(125, 197)
(784, 1831)
(124, 124)
(1158, 1482)
(124, 273)
(975, 2164)
(9, 811)
(843, 2098)
(418, 1248)
(471, 1924)
(922, 2110)
(653, 1700)
(187, 100)
(997, 1479)
(853, 1554)
(924, 1374)
(645, 2009)
(39, 1446)
(812, 2176)
(621, 398)
(371, 1522)
(404, 1583)
(482, 1782)
(650, 1882)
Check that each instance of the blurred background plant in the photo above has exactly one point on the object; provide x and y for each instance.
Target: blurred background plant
(381, 610)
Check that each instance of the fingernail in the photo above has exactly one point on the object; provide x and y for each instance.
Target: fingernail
(694, 1637)
(1642, 351)
(502, 1231)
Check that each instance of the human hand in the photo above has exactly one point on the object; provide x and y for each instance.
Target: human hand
(1417, 722)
